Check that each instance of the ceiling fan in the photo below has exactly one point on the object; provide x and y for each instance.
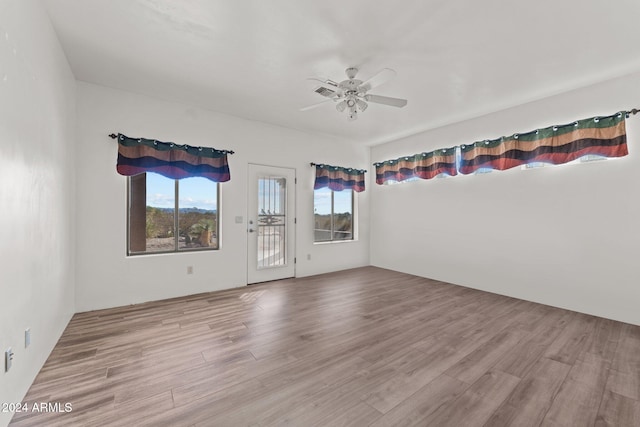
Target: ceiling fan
(351, 94)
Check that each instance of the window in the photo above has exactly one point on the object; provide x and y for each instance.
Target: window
(412, 179)
(333, 212)
(169, 215)
(584, 159)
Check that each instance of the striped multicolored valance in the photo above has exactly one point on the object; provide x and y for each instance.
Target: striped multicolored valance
(139, 155)
(338, 178)
(601, 136)
(423, 165)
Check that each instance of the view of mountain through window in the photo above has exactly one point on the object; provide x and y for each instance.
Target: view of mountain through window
(333, 215)
(176, 214)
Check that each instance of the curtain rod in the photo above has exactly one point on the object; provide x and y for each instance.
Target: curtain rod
(323, 164)
(114, 136)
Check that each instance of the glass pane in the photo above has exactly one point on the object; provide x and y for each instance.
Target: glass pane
(197, 213)
(322, 214)
(343, 215)
(272, 193)
(160, 208)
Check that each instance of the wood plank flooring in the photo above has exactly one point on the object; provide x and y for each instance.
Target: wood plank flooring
(360, 347)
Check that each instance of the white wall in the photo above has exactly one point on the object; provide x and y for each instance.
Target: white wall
(37, 108)
(106, 277)
(566, 236)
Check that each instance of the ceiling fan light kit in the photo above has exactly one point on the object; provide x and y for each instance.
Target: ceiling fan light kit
(351, 94)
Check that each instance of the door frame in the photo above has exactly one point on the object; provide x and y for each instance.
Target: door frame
(291, 206)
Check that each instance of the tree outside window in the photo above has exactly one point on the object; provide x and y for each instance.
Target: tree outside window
(168, 215)
(333, 215)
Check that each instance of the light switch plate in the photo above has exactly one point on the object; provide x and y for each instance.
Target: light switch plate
(27, 337)
(8, 359)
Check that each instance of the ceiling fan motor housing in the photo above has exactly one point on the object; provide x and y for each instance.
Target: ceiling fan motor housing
(351, 85)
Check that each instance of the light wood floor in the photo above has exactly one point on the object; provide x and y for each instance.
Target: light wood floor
(361, 347)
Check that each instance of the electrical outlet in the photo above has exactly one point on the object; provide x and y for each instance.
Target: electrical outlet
(308, 257)
(190, 269)
(27, 337)
(8, 359)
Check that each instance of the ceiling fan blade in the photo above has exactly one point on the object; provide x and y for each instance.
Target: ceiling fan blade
(312, 106)
(381, 77)
(325, 82)
(394, 102)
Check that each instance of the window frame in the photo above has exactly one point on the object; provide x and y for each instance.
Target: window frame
(176, 222)
(353, 220)
(587, 158)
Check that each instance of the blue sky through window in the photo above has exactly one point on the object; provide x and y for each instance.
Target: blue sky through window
(322, 201)
(194, 192)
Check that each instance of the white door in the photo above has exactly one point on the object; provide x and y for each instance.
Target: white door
(271, 223)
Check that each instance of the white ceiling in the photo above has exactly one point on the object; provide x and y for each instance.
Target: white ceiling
(251, 58)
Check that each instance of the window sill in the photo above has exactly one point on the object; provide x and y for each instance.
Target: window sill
(182, 252)
(330, 242)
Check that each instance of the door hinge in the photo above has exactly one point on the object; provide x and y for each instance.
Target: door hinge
(295, 180)
(295, 220)
(295, 260)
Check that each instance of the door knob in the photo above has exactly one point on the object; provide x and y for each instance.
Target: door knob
(251, 230)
